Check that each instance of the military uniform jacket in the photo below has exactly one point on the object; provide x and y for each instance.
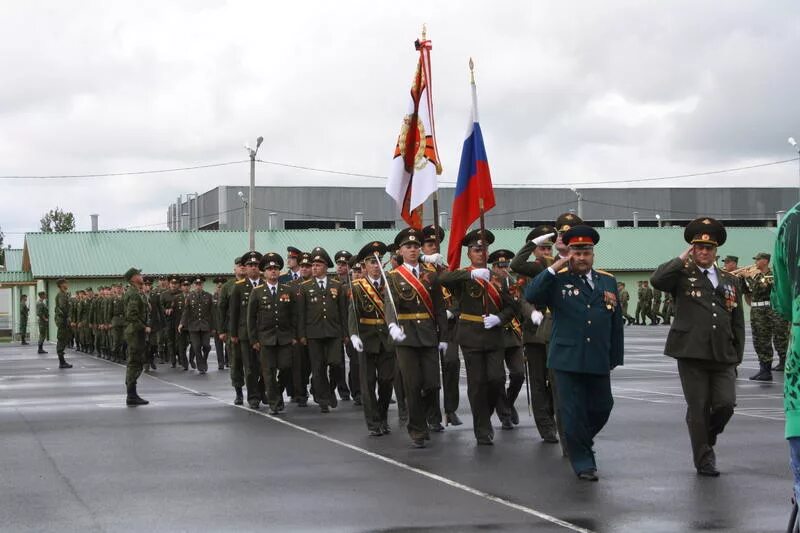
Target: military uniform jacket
(223, 307)
(157, 321)
(656, 298)
(178, 306)
(366, 316)
(237, 315)
(322, 314)
(520, 264)
(167, 300)
(709, 322)
(422, 328)
(198, 312)
(472, 300)
(271, 320)
(41, 313)
(117, 312)
(512, 330)
(135, 311)
(62, 311)
(23, 312)
(587, 332)
(759, 287)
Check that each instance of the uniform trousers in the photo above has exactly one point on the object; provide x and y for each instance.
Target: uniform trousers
(219, 347)
(419, 367)
(63, 334)
(542, 388)
(181, 343)
(136, 357)
(324, 353)
(709, 388)
(201, 344)
(274, 359)
(251, 366)
(485, 379)
(301, 371)
(237, 373)
(376, 371)
(768, 329)
(451, 374)
(515, 363)
(584, 405)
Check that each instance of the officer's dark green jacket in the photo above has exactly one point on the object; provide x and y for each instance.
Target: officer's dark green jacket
(271, 319)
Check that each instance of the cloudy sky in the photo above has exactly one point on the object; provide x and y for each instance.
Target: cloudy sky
(569, 92)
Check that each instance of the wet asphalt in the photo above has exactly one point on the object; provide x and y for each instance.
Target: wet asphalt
(75, 458)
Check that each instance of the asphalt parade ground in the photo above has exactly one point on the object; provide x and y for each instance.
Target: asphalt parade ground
(75, 458)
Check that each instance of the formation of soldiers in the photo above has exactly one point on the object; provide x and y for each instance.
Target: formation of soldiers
(392, 320)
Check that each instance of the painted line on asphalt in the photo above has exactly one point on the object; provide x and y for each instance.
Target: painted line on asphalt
(388, 460)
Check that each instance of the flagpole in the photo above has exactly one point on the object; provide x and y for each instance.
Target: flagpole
(482, 230)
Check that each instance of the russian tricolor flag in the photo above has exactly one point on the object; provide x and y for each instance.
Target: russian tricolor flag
(474, 183)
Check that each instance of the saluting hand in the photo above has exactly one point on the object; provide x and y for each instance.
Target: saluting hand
(685, 255)
(561, 261)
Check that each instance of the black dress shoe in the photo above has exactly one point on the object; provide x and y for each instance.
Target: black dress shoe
(325, 409)
(514, 416)
(437, 427)
(550, 438)
(506, 423)
(41, 351)
(192, 364)
(253, 404)
(418, 443)
(385, 429)
(221, 368)
(708, 470)
(485, 441)
(302, 402)
(274, 411)
(357, 400)
(345, 397)
(452, 419)
(64, 365)
(375, 433)
(588, 475)
(334, 401)
(135, 400)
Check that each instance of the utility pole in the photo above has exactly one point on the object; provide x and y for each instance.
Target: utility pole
(796, 147)
(251, 228)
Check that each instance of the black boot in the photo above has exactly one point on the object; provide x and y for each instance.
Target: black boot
(41, 349)
(239, 396)
(781, 364)
(133, 398)
(62, 363)
(764, 374)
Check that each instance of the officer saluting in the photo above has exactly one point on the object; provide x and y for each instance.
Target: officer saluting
(586, 342)
(272, 332)
(707, 336)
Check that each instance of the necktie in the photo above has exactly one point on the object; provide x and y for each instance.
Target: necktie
(294, 275)
(322, 285)
(584, 279)
(273, 292)
(416, 275)
(377, 285)
(705, 272)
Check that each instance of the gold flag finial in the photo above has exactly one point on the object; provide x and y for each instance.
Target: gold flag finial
(424, 31)
(471, 71)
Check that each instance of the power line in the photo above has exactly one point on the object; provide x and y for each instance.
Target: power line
(693, 213)
(118, 174)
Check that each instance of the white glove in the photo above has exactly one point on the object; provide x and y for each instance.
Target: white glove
(433, 259)
(442, 347)
(481, 273)
(542, 238)
(357, 344)
(449, 314)
(536, 317)
(396, 333)
(490, 321)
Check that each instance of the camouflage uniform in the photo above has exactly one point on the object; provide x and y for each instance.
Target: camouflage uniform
(768, 328)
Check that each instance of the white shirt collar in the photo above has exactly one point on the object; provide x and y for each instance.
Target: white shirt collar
(256, 281)
(373, 281)
(271, 286)
(412, 268)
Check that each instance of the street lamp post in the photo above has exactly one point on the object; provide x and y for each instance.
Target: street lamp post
(580, 202)
(791, 141)
(251, 228)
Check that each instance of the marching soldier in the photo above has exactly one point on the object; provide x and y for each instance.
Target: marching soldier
(370, 338)
(537, 325)
(223, 323)
(655, 307)
(666, 310)
(198, 319)
(767, 327)
(301, 362)
(182, 337)
(417, 324)
(149, 340)
(219, 344)
(157, 324)
(647, 304)
(293, 256)
(351, 384)
(167, 299)
(484, 309)
(117, 325)
(624, 300)
(62, 318)
(73, 340)
(432, 261)
(707, 336)
(271, 313)
(136, 328)
(322, 325)
(240, 335)
(639, 302)
(586, 343)
(42, 316)
(24, 310)
(512, 340)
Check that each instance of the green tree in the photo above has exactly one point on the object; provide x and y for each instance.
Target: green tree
(58, 221)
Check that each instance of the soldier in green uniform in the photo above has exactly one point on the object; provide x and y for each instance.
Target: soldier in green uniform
(484, 308)
(537, 326)
(322, 324)
(233, 350)
(240, 335)
(647, 303)
(346, 383)
(43, 317)
(512, 340)
(655, 308)
(301, 362)
(707, 336)
(417, 324)
(156, 324)
(198, 320)
(62, 317)
(293, 256)
(768, 328)
(666, 310)
(624, 300)
(24, 310)
(432, 261)
(182, 337)
(74, 340)
(117, 331)
(167, 300)
(219, 343)
(370, 338)
(271, 316)
(586, 344)
(639, 302)
(136, 328)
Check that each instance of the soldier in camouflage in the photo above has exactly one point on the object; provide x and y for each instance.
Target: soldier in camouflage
(768, 328)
